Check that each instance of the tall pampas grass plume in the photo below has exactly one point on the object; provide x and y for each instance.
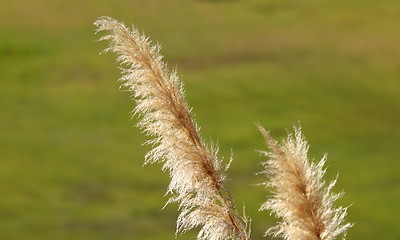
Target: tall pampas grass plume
(300, 197)
(197, 174)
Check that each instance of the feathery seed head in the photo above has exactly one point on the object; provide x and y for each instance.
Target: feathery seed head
(300, 195)
(197, 176)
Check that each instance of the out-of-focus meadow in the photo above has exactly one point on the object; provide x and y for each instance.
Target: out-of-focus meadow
(71, 162)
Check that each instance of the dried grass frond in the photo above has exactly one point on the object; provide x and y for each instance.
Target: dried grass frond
(197, 175)
(300, 196)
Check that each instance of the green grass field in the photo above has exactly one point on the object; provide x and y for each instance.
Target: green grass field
(71, 162)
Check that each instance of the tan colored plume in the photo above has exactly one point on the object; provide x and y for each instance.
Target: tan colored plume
(300, 197)
(197, 175)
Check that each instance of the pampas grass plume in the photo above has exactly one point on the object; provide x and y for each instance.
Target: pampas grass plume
(300, 197)
(197, 175)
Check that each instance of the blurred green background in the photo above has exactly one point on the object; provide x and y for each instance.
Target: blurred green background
(71, 162)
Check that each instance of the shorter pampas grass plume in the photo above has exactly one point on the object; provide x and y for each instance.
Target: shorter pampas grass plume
(300, 197)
